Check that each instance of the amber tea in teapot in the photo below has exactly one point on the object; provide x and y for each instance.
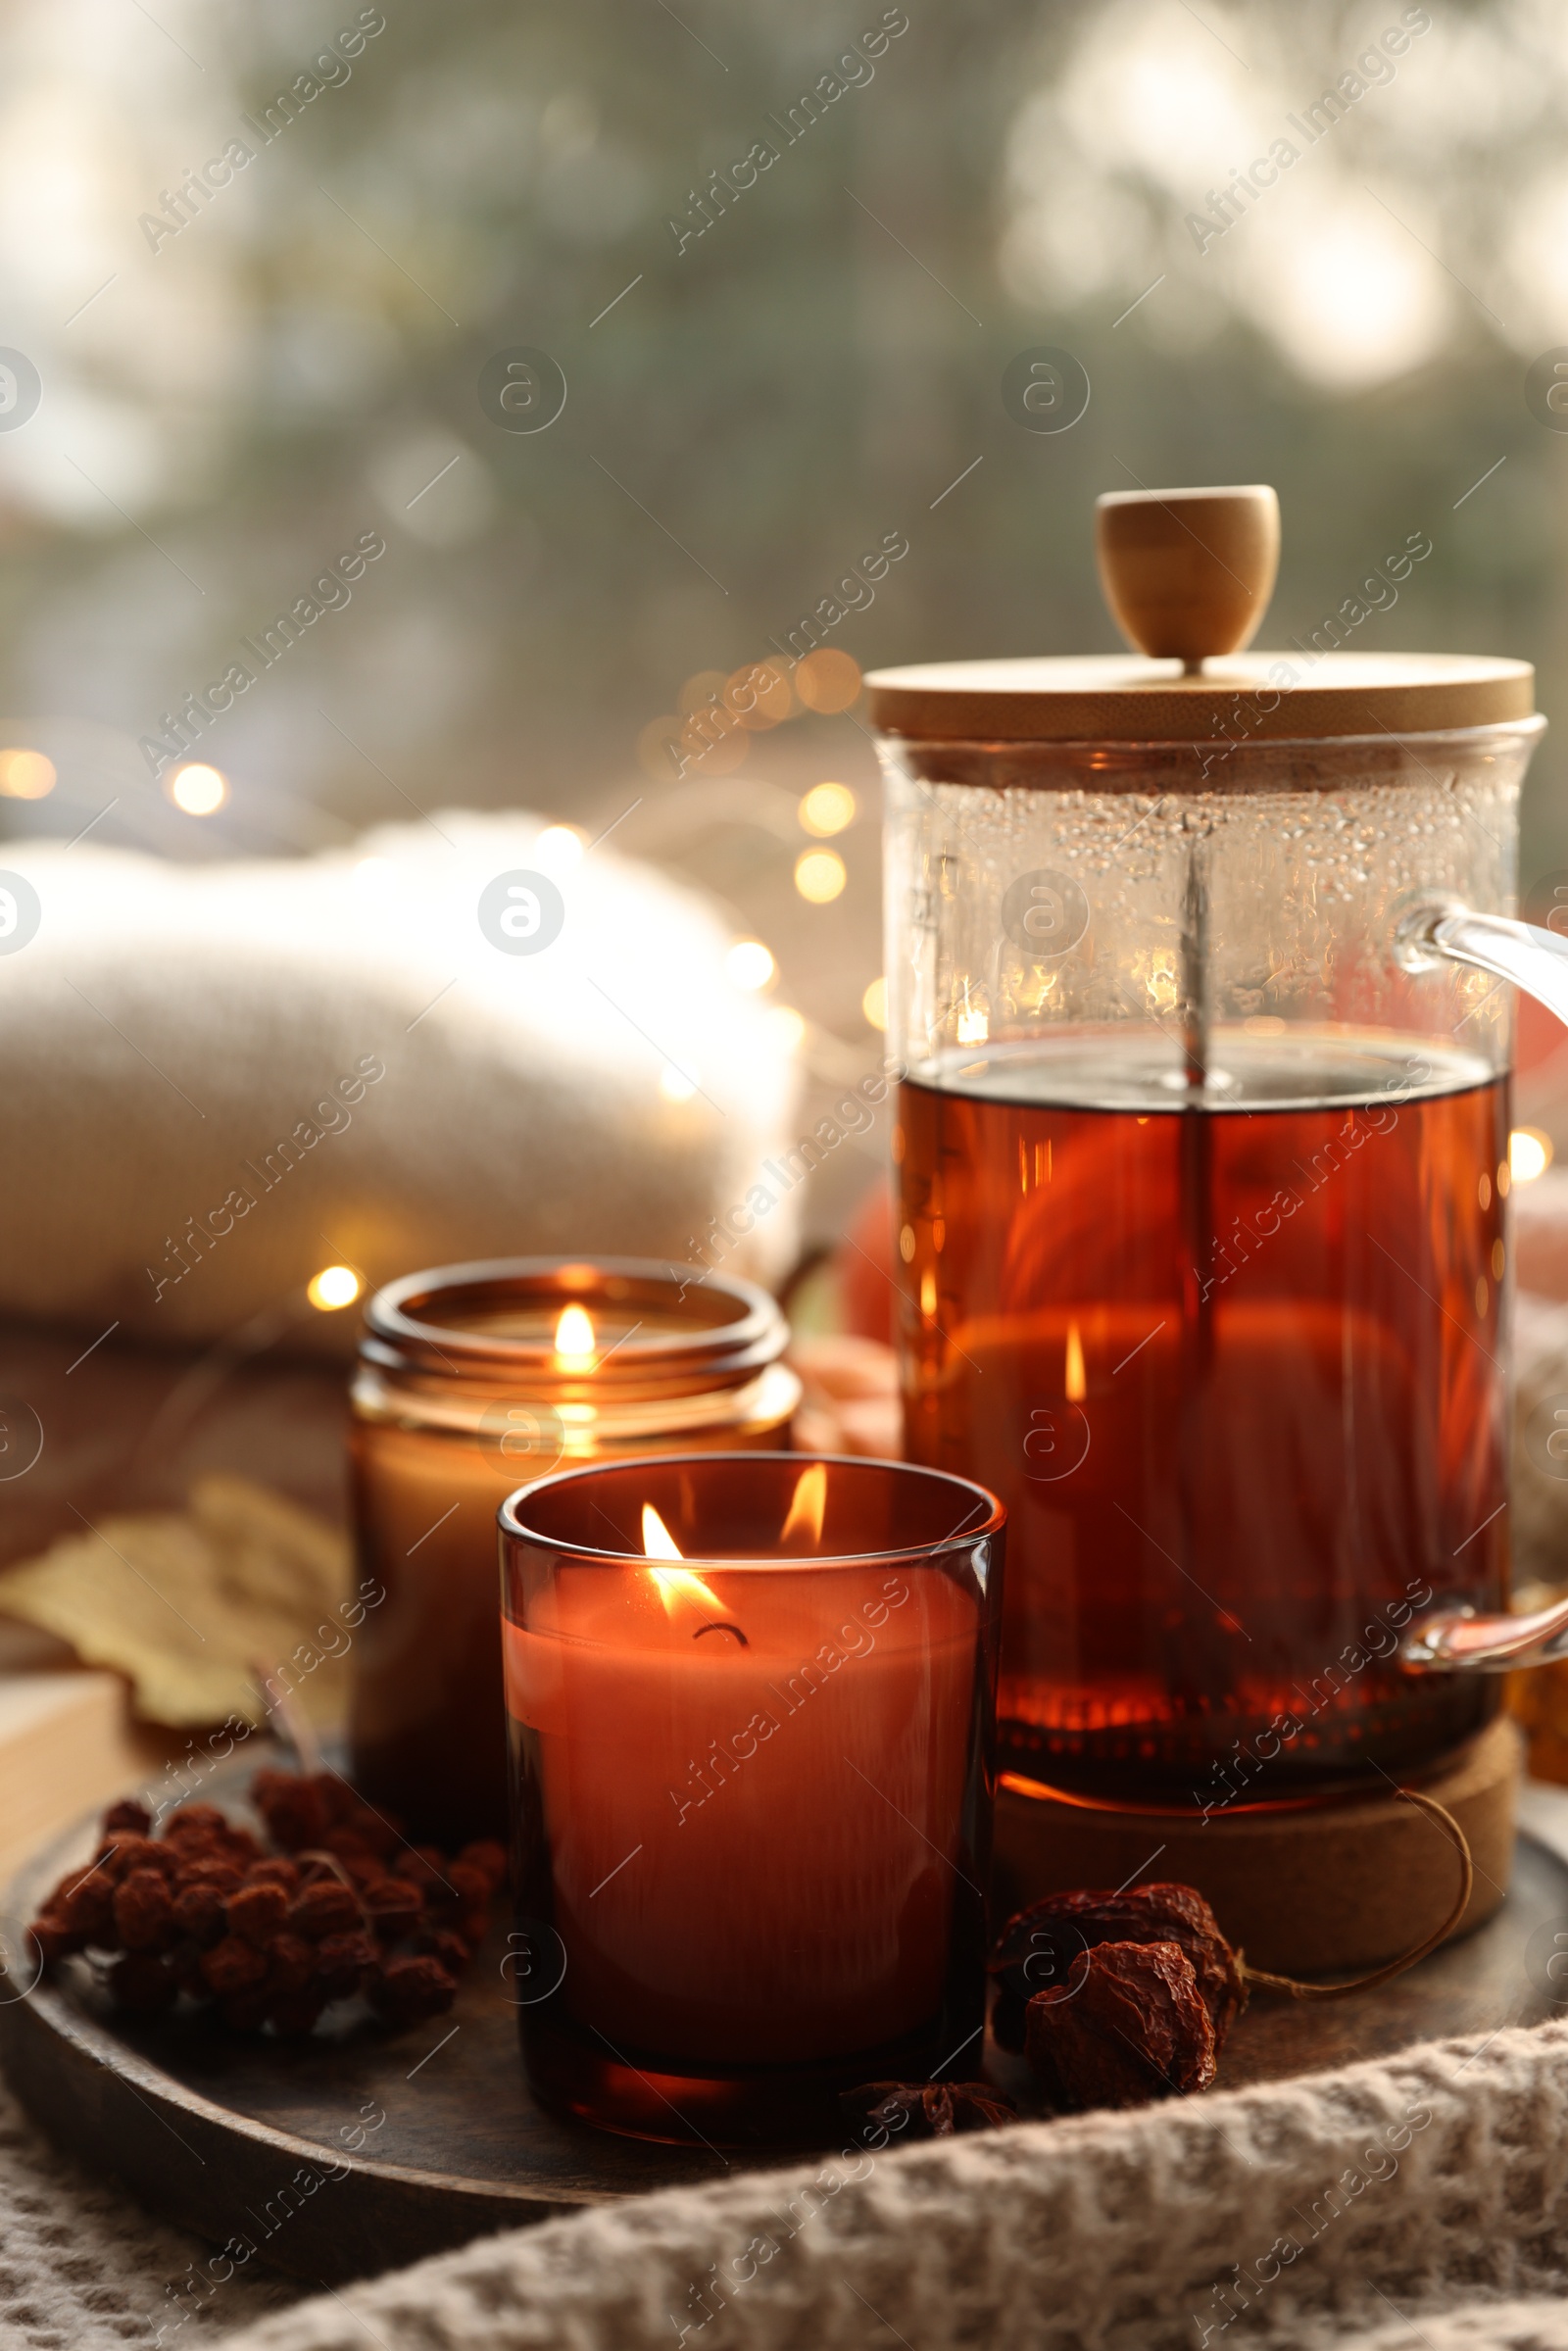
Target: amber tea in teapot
(1197, 967)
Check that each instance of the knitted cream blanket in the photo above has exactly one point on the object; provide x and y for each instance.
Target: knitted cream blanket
(217, 1079)
(1420, 2201)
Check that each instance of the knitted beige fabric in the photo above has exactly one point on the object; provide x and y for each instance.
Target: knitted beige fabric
(83, 2269)
(219, 1078)
(1421, 2200)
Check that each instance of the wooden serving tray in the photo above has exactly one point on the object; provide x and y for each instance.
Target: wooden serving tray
(331, 2160)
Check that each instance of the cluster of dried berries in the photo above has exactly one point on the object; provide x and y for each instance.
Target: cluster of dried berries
(1118, 1998)
(929, 2109)
(343, 1906)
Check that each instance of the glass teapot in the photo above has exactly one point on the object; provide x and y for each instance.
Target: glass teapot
(1196, 970)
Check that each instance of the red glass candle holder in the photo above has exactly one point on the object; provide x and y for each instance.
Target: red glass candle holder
(750, 1700)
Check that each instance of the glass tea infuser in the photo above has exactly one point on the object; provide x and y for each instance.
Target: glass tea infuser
(1197, 970)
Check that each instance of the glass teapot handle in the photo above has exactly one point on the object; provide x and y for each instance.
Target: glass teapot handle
(1437, 930)
(1449, 1641)
(1460, 1640)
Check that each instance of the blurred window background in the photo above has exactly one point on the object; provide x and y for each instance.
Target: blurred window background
(572, 364)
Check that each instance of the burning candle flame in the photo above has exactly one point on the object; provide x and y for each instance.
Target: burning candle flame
(673, 1584)
(657, 1541)
(574, 1336)
(1077, 1385)
(807, 1504)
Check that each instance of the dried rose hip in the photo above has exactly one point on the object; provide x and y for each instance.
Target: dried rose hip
(199, 1912)
(278, 1872)
(55, 1939)
(489, 1859)
(315, 1863)
(195, 1821)
(469, 1883)
(245, 2011)
(292, 1808)
(439, 1942)
(127, 1818)
(142, 1985)
(294, 2013)
(929, 2109)
(342, 1963)
(234, 1966)
(393, 1907)
(224, 1877)
(185, 1960)
(86, 1902)
(426, 1867)
(273, 1939)
(328, 1907)
(144, 1913)
(291, 1964)
(1128, 2025)
(127, 1854)
(338, 1799)
(1039, 1948)
(359, 1864)
(365, 1830)
(258, 1911)
(407, 1991)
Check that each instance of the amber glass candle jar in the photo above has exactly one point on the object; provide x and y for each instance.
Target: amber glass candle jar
(751, 1703)
(473, 1380)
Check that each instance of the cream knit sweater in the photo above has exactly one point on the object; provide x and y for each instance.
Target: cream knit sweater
(1423, 2200)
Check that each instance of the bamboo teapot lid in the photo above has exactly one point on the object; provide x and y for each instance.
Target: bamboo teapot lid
(1188, 575)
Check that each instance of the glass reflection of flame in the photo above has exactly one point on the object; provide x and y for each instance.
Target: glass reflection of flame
(672, 1583)
(574, 1336)
(807, 1505)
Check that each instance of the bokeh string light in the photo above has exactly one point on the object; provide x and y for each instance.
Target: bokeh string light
(25, 774)
(197, 789)
(819, 876)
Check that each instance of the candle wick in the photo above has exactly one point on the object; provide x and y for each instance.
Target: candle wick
(722, 1627)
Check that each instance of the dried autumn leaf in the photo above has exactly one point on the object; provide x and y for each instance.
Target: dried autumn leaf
(181, 1602)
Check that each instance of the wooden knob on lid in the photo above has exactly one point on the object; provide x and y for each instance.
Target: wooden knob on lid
(1187, 573)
